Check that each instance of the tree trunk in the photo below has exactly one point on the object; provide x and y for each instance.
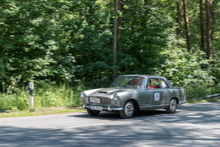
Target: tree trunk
(178, 21)
(186, 19)
(209, 28)
(202, 26)
(145, 2)
(115, 36)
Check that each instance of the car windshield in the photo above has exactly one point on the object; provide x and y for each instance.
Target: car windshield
(129, 81)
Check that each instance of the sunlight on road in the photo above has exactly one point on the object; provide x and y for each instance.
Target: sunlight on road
(191, 125)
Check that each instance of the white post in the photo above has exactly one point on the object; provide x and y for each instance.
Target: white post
(31, 94)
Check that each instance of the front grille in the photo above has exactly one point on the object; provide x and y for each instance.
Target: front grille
(104, 100)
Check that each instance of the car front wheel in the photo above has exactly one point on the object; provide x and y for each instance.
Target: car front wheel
(128, 111)
(172, 106)
(92, 112)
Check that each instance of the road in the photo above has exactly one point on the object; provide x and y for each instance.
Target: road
(192, 125)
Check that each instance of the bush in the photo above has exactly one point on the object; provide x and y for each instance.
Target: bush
(45, 95)
(201, 91)
(13, 102)
(186, 69)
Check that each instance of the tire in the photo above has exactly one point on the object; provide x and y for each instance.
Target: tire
(128, 111)
(172, 106)
(93, 112)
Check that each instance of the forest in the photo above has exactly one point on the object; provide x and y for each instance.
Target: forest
(66, 46)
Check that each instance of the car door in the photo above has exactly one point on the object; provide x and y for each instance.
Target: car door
(165, 92)
(155, 95)
(142, 94)
(151, 95)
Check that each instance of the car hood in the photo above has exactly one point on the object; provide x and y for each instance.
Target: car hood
(110, 91)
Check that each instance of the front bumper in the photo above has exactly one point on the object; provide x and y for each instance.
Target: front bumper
(104, 108)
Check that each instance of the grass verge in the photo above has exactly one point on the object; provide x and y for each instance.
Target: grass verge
(40, 111)
(203, 100)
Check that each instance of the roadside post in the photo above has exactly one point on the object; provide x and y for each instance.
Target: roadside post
(31, 94)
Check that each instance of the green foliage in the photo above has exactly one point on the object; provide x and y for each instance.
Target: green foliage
(215, 67)
(33, 41)
(185, 69)
(200, 91)
(51, 42)
(13, 102)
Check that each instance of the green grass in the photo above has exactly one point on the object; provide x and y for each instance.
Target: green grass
(202, 100)
(40, 111)
(48, 99)
(44, 96)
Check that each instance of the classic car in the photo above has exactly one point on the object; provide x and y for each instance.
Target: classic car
(130, 93)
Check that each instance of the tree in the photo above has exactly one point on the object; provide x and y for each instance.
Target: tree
(145, 2)
(178, 20)
(116, 34)
(209, 28)
(187, 29)
(69, 41)
(202, 26)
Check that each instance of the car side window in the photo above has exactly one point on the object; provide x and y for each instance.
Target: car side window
(163, 84)
(154, 83)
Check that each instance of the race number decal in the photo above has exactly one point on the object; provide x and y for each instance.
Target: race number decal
(156, 96)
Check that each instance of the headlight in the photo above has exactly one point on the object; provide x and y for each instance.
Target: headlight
(116, 100)
(82, 94)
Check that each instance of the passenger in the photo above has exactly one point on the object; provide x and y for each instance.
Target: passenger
(162, 84)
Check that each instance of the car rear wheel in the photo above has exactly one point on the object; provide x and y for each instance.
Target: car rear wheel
(128, 111)
(93, 112)
(172, 106)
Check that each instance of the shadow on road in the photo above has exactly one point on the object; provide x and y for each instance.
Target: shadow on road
(171, 131)
(192, 125)
(116, 116)
(208, 112)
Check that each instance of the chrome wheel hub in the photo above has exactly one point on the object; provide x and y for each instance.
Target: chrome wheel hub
(129, 109)
(173, 105)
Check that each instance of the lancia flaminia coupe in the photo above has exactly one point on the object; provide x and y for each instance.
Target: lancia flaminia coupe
(130, 93)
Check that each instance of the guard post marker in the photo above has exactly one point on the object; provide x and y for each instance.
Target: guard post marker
(31, 94)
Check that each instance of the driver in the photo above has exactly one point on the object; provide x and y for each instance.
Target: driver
(138, 82)
(132, 82)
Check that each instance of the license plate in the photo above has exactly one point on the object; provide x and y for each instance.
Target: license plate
(94, 100)
(96, 108)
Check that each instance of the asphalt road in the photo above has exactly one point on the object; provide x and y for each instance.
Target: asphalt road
(192, 125)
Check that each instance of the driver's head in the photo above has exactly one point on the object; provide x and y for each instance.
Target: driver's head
(132, 82)
(138, 81)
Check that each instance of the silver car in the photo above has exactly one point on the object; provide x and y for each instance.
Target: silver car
(130, 93)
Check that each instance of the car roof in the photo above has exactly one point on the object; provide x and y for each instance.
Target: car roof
(142, 75)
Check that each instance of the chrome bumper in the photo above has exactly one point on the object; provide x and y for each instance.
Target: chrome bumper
(105, 108)
(181, 102)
